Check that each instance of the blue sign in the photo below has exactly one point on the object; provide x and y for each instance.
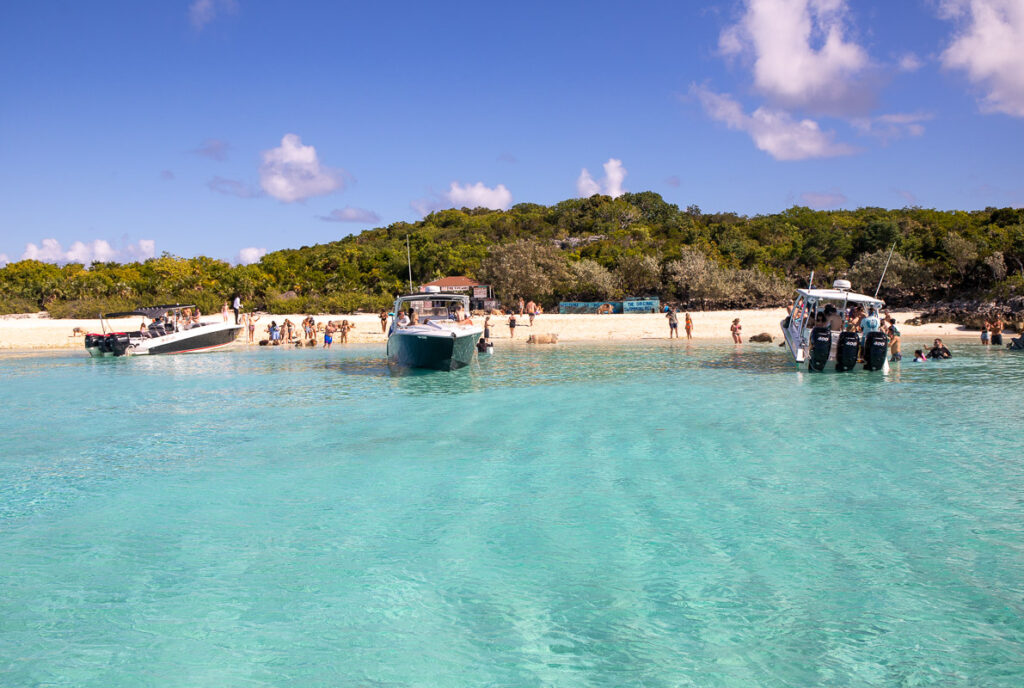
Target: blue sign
(641, 306)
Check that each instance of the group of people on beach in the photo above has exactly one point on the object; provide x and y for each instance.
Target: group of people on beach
(307, 333)
(672, 315)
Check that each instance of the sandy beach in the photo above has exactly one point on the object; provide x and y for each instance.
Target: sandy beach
(36, 331)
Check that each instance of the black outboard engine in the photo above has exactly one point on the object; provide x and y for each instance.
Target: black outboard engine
(876, 348)
(105, 344)
(821, 347)
(93, 341)
(846, 353)
(118, 343)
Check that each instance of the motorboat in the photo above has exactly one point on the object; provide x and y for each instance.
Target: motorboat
(834, 344)
(169, 332)
(425, 333)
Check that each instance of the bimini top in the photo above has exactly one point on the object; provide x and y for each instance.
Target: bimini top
(839, 295)
(151, 312)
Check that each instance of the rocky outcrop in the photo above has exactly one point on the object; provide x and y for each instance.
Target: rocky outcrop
(974, 314)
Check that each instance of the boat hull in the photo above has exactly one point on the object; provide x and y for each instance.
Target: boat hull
(215, 338)
(198, 340)
(432, 352)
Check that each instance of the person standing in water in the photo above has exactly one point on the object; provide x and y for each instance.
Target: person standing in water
(329, 334)
(895, 347)
(737, 331)
(997, 331)
(673, 322)
(688, 324)
(512, 326)
(384, 322)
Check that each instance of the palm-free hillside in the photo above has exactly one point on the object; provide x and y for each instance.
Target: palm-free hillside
(580, 249)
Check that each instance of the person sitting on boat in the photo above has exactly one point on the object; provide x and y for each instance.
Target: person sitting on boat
(939, 350)
(461, 317)
(402, 320)
(414, 317)
(835, 321)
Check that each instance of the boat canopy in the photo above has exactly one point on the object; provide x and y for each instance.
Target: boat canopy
(839, 295)
(151, 312)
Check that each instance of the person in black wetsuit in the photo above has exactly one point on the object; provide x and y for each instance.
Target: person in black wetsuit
(939, 350)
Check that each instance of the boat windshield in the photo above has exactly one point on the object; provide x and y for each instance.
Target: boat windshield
(428, 310)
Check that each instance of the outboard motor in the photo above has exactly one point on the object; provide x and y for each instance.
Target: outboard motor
(93, 341)
(846, 353)
(118, 343)
(821, 347)
(876, 348)
(105, 342)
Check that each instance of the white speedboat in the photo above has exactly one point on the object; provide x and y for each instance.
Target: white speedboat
(432, 338)
(816, 347)
(168, 333)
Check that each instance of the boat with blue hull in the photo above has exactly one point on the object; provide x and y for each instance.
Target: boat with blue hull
(432, 331)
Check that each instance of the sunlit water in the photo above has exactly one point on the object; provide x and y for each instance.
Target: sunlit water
(641, 515)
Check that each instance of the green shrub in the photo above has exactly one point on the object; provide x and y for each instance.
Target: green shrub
(16, 304)
(89, 308)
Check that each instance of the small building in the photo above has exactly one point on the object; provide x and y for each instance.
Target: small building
(480, 295)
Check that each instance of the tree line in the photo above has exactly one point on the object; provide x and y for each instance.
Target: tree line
(596, 248)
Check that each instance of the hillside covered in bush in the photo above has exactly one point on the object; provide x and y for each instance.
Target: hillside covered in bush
(594, 248)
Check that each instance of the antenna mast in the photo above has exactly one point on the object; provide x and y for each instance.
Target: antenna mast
(408, 261)
(884, 269)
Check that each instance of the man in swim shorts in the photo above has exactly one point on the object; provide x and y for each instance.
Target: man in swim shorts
(673, 322)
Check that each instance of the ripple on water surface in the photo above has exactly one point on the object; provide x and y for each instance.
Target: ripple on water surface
(647, 515)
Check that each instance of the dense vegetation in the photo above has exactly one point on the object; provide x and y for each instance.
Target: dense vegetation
(592, 248)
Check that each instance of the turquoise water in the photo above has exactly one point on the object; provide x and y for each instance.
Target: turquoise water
(642, 515)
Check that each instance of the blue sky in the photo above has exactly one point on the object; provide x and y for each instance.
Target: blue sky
(229, 127)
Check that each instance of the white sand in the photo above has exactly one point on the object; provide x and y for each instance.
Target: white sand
(36, 331)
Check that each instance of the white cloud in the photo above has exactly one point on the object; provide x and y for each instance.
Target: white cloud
(611, 185)
(820, 200)
(585, 185)
(465, 196)
(910, 63)
(233, 187)
(350, 214)
(292, 172)
(990, 49)
(51, 251)
(479, 196)
(249, 255)
(4, 260)
(214, 149)
(892, 126)
(801, 55)
(202, 12)
(773, 131)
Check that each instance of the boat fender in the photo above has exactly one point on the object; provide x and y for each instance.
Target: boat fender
(846, 351)
(821, 347)
(876, 348)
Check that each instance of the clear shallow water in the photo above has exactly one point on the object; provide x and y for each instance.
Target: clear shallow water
(641, 515)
